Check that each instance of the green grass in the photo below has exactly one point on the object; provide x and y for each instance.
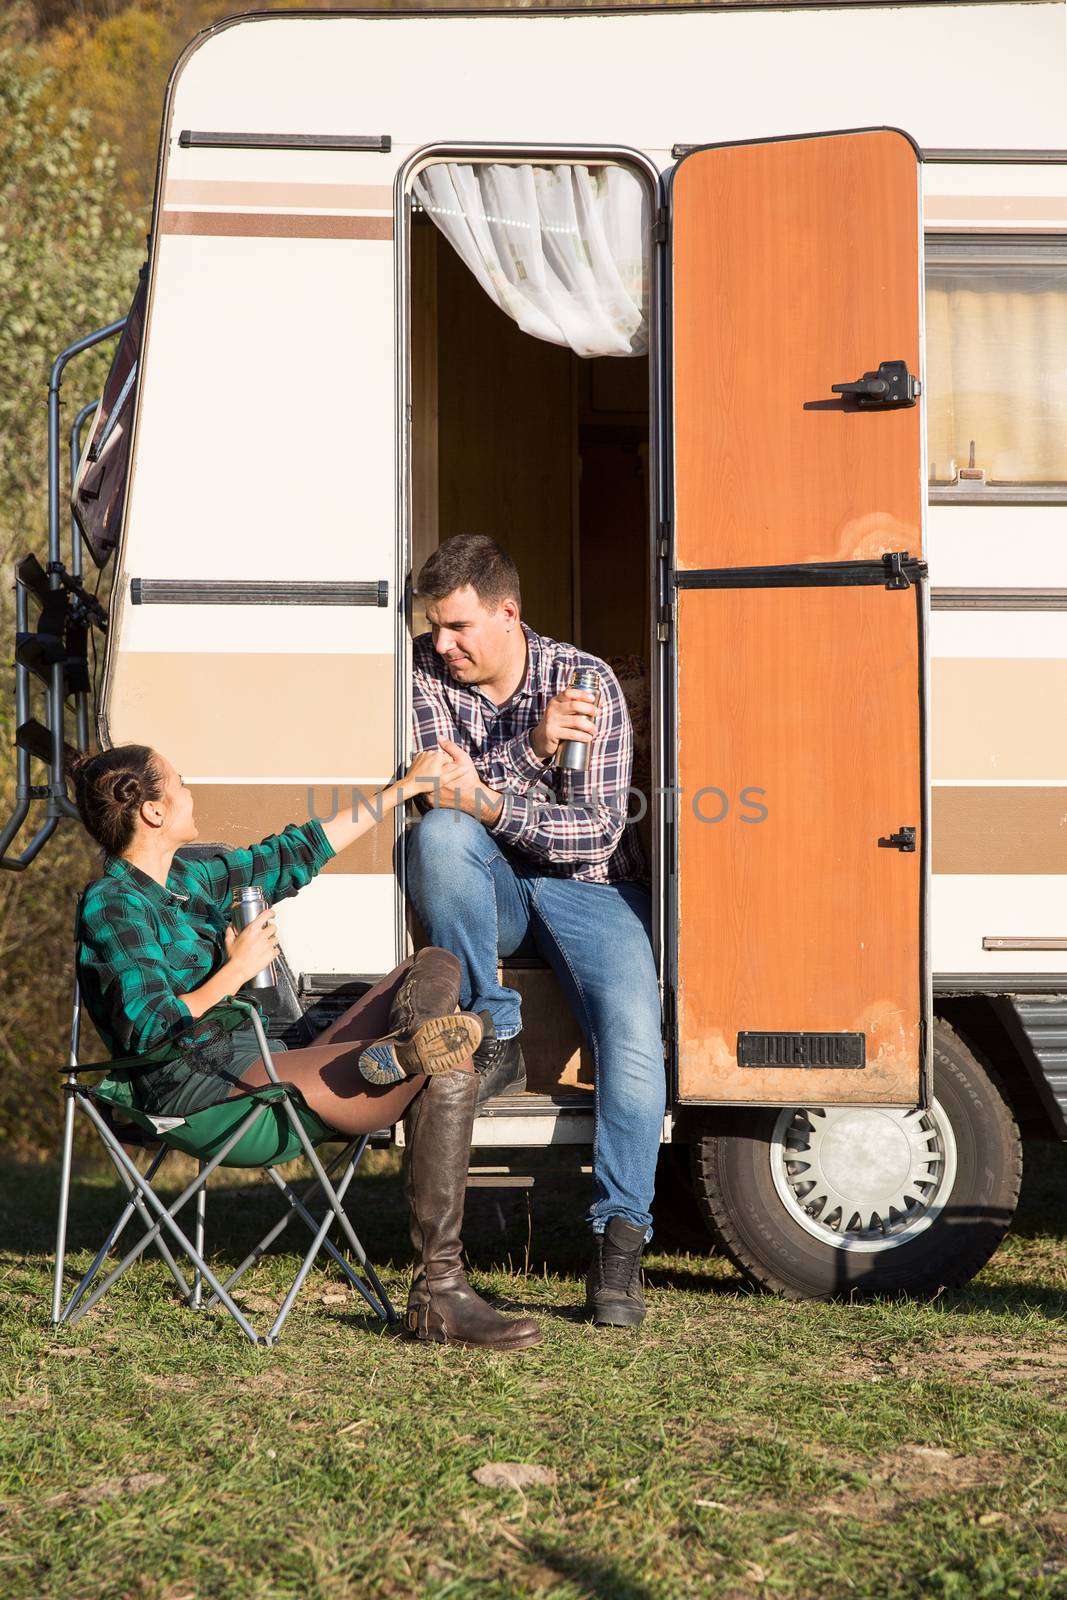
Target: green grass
(734, 1446)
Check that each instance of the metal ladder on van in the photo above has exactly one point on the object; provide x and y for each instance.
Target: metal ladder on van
(55, 652)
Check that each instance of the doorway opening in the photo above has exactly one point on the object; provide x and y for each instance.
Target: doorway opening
(550, 453)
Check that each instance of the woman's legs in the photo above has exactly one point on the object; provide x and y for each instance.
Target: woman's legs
(442, 1306)
(327, 1071)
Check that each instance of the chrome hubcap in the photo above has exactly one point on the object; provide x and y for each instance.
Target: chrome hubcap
(863, 1178)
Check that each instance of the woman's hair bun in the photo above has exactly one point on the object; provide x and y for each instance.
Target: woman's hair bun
(110, 787)
(128, 789)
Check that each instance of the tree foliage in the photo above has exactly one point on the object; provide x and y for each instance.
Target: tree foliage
(69, 253)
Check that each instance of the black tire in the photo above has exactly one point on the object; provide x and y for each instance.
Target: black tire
(678, 1224)
(736, 1191)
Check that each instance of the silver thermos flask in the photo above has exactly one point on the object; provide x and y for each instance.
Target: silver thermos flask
(571, 754)
(245, 908)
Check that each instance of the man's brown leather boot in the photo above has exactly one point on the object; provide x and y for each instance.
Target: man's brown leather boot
(442, 1306)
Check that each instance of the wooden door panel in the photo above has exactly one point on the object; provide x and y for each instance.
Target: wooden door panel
(799, 922)
(796, 266)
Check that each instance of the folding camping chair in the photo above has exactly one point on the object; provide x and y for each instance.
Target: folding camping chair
(262, 1128)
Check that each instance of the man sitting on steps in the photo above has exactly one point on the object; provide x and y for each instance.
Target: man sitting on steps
(518, 853)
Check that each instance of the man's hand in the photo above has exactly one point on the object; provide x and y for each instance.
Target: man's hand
(461, 789)
(427, 771)
(571, 714)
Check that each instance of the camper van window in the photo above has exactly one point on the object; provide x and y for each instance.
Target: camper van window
(996, 353)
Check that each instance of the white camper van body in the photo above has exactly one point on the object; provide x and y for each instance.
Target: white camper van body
(271, 424)
(272, 441)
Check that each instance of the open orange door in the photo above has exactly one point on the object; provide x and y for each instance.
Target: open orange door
(801, 835)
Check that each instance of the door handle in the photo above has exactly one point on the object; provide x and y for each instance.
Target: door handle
(903, 839)
(891, 385)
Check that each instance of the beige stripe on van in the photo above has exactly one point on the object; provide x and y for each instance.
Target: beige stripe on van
(1000, 209)
(1002, 718)
(273, 225)
(999, 830)
(226, 714)
(192, 192)
(234, 814)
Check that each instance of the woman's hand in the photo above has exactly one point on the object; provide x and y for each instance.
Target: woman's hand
(430, 771)
(254, 948)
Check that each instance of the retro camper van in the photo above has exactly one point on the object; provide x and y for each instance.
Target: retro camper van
(744, 328)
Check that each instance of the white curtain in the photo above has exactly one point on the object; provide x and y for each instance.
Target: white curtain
(563, 250)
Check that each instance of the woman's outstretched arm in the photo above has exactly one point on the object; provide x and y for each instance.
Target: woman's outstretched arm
(429, 767)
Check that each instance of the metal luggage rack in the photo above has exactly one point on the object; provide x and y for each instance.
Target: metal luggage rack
(56, 651)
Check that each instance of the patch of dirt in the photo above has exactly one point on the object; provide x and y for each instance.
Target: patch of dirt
(107, 1489)
(915, 1472)
(514, 1475)
(173, 1382)
(270, 1381)
(28, 1400)
(1002, 1362)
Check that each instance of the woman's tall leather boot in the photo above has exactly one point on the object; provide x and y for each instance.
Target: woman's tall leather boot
(442, 1306)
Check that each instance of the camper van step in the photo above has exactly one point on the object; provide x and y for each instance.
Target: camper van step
(35, 737)
(1038, 1027)
(537, 1105)
(193, 139)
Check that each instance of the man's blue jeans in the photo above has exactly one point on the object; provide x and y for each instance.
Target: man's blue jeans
(480, 900)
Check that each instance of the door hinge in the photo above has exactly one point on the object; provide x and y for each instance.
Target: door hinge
(660, 226)
(664, 534)
(665, 623)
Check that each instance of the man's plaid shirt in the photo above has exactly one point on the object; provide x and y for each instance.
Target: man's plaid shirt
(572, 824)
(141, 945)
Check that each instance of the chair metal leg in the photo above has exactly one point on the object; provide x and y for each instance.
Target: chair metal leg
(115, 1233)
(381, 1308)
(64, 1205)
(319, 1234)
(166, 1218)
(197, 1295)
(299, 1208)
(283, 1222)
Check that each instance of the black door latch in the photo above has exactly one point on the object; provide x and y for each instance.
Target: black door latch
(891, 385)
(903, 839)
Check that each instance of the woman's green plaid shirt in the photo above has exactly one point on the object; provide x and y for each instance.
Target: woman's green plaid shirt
(141, 945)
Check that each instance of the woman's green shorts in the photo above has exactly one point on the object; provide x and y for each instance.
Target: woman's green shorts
(178, 1088)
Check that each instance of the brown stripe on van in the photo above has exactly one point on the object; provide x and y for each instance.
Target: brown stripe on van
(997, 831)
(998, 717)
(273, 225)
(235, 814)
(188, 193)
(227, 714)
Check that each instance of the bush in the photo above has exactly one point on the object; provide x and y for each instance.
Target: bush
(69, 254)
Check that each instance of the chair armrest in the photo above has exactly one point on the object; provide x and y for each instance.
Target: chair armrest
(261, 1036)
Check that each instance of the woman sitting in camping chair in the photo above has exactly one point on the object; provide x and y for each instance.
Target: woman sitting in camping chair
(156, 952)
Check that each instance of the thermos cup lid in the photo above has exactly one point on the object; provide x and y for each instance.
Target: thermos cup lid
(248, 892)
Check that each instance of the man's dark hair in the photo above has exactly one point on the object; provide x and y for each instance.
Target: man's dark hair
(470, 558)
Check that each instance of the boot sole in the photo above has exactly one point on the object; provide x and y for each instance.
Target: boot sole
(616, 1316)
(525, 1342)
(440, 1045)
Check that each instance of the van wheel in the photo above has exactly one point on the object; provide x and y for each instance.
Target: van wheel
(819, 1202)
(678, 1222)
